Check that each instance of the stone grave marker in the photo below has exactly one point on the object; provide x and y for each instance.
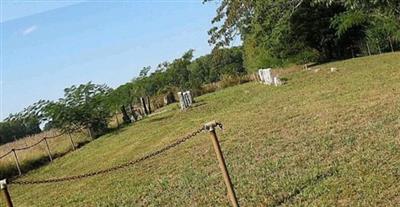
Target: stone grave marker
(266, 77)
(185, 99)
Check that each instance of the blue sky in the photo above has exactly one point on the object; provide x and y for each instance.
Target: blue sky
(50, 45)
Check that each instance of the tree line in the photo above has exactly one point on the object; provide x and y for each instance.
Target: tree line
(278, 32)
(273, 33)
(90, 106)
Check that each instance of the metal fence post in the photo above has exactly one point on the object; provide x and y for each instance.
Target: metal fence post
(6, 194)
(217, 147)
(17, 162)
(48, 149)
(72, 141)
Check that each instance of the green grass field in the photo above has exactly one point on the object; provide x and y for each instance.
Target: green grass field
(322, 139)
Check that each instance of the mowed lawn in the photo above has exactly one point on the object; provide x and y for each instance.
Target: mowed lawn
(322, 139)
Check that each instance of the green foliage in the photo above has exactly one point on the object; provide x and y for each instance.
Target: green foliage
(22, 124)
(235, 16)
(212, 67)
(384, 29)
(349, 19)
(183, 73)
(10, 130)
(18, 128)
(83, 106)
(277, 32)
(144, 71)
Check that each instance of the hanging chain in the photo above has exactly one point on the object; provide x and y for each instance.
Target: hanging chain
(111, 169)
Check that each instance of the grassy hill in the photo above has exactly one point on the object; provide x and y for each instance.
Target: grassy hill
(324, 138)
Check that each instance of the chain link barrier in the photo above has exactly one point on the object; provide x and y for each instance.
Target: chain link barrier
(111, 169)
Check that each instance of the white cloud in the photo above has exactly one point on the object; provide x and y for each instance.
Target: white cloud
(29, 30)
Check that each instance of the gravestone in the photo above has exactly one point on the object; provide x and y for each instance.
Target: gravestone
(277, 81)
(144, 106)
(260, 75)
(266, 77)
(125, 116)
(185, 99)
(148, 104)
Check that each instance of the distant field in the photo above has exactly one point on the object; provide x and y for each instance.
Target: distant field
(36, 155)
(322, 139)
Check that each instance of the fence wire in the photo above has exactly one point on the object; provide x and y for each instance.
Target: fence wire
(111, 169)
(28, 147)
(5, 155)
(33, 145)
(55, 136)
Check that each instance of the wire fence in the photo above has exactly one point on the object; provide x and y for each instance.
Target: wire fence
(5, 155)
(208, 127)
(30, 146)
(17, 156)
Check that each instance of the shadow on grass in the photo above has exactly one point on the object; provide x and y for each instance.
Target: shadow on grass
(161, 118)
(312, 181)
(199, 103)
(118, 130)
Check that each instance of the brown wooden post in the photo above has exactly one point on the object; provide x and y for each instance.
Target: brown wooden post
(217, 147)
(17, 162)
(6, 194)
(72, 141)
(48, 149)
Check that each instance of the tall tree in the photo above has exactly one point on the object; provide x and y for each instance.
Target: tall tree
(278, 31)
(83, 106)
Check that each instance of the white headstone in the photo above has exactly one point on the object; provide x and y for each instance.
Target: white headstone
(277, 81)
(260, 74)
(185, 99)
(181, 103)
(266, 76)
(189, 96)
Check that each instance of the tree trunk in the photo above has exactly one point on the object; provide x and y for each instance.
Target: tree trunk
(135, 118)
(148, 105)
(391, 44)
(116, 119)
(379, 47)
(125, 116)
(90, 132)
(369, 51)
(143, 102)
